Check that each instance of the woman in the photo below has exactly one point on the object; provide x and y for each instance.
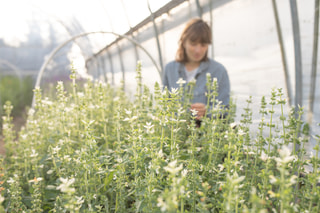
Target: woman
(192, 62)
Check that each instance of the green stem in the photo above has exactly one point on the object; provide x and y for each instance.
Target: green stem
(182, 205)
(270, 131)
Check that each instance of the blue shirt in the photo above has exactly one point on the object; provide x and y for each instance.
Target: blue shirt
(175, 70)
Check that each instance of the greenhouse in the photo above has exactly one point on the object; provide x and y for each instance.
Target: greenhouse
(131, 106)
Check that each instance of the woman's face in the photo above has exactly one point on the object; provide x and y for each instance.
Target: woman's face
(195, 51)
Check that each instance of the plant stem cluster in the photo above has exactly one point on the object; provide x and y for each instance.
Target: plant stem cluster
(95, 150)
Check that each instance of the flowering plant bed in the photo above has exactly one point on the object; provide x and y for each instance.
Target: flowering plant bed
(94, 150)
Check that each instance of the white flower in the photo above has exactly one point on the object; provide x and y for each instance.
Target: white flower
(78, 161)
(35, 180)
(285, 156)
(311, 154)
(174, 91)
(264, 156)
(1, 199)
(184, 173)
(92, 106)
(194, 112)
(31, 112)
(171, 168)
(55, 150)
(149, 127)
(233, 125)
(128, 112)
(221, 167)
(164, 93)
(192, 81)
(80, 94)
(5, 126)
(293, 179)
(272, 179)
(65, 185)
(131, 119)
(60, 142)
(33, 154)
(181, 82)
(241, 132)
(23, 136)
(160, 153)
(119, 160)
(235, 179)
(67, 158)
(176, 130)
(161, 204)
(47, 101)
(181, 110)
(10, 181)
(80, 200)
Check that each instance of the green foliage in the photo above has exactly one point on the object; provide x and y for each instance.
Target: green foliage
(94, 150)
(17, 91)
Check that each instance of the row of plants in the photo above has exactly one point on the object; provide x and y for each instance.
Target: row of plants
(95, 150)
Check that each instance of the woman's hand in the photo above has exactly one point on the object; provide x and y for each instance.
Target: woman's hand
(200, 108)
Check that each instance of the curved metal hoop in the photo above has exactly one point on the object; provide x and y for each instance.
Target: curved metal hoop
(52, 54)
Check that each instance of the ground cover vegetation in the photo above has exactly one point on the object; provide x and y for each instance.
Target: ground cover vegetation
(95, 150)
(18, 91)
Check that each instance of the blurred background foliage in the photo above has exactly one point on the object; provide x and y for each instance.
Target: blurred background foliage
(19, 91)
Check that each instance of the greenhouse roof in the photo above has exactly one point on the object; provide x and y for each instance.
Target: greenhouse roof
(42, 25)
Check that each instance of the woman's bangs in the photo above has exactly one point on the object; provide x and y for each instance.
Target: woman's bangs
(200, 35)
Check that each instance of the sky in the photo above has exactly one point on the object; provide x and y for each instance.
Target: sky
(94, 15)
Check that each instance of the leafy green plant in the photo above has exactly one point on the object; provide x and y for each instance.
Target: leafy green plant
(94, 150)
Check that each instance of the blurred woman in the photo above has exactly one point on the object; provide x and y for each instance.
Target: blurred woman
(192, 63)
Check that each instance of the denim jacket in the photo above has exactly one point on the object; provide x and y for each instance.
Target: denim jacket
(175, 70)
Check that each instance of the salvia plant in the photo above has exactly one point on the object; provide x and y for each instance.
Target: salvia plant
(94, 149)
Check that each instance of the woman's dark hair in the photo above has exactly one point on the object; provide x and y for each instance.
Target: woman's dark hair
(196, 30)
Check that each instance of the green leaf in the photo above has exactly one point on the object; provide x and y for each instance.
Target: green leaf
(108, 179)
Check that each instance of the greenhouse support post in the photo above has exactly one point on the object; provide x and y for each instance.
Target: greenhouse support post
(103, 68)
(211, 26)
(111, 67)
(199, 9)
(298, 66)
(313, 76)
(283, 53)
(297, 53)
